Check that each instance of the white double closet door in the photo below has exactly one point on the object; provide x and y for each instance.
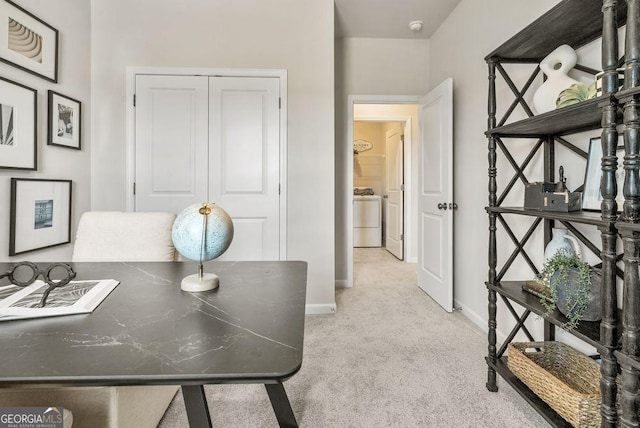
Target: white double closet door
(213, 139)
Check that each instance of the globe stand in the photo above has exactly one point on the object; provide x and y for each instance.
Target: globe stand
(200, 281)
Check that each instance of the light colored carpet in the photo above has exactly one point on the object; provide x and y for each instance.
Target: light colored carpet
(390, 357)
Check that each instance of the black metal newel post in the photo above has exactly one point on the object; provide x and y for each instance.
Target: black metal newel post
(608, 188)
(629, 400)
(493, 189)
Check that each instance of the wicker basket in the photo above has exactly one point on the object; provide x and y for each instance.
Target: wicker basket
(568, 381)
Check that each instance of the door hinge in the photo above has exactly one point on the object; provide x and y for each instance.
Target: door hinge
(402, 237)
(279, 186)
(402, 189)
(280, 103)
(134, 100)
(134, 188)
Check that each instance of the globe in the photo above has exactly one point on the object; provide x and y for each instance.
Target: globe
(202, 232)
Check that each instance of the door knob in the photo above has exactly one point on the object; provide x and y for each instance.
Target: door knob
(442, 206)
(453, 206)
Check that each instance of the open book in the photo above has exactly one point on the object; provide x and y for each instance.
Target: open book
(77, 297)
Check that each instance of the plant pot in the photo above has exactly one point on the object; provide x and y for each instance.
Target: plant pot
(567, 290)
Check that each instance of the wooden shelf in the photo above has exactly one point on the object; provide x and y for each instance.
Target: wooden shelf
(587, 331)
(623, 225)
(583, 217)
(579, 117)
(571, 22)
(536, 402)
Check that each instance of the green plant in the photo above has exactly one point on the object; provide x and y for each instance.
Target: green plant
(555, 274)
(576, 93)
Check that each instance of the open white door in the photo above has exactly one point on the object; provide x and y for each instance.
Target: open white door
(435, 199)
(394, 193)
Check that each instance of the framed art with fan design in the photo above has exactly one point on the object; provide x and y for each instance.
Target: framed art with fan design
(27, 42)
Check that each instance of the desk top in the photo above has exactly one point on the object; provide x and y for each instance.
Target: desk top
(148, 331)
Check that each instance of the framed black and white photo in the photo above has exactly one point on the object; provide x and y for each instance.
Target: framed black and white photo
(27, 42)
(40, 214)
(18, 117)
(591, 196)
(64, 121)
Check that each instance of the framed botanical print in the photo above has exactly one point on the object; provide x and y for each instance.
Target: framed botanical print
(27, 42)
(64, 119)
(40, 215)
(18, 130)
(591, 196)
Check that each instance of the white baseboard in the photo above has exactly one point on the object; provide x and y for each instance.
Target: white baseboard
(342, 283)
(412, 259)
(478, 320)
(319, 309)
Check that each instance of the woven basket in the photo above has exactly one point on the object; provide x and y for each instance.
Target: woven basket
(568, 381)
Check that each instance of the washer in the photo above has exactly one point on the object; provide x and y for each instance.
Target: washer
(367, 221)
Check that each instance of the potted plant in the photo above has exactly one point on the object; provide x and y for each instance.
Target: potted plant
(573, 287)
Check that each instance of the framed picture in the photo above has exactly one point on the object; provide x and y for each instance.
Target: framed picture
(63, 124)
(18, 117)
(40, 214)
(27, 42)
(591, 196)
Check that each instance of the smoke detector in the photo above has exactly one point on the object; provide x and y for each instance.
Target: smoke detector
(415, 26)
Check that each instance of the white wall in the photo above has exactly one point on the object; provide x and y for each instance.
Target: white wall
(280, 34)
(72, 19)
(458, 49)
(369, 67)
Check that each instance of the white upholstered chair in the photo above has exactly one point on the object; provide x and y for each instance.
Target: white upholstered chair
(111, 236)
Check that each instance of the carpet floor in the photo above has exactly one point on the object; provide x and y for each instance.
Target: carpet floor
(390, 357)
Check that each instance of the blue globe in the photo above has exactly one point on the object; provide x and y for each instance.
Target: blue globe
(187, 232)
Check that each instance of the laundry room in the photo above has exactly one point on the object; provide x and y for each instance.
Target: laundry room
(374, 182)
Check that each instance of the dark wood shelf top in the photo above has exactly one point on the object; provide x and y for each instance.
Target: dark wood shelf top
(624, 95)
(587, 331)
(579, 117)
(571, 22)
(536, 402)
(583, 217)
(623, 225)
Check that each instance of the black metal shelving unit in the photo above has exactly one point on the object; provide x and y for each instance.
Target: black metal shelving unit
(573, 22)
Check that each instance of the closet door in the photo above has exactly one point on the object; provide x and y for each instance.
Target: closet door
(171, 142)
(244, 162)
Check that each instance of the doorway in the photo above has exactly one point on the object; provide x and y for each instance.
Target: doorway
(378, 184)
(401, 111)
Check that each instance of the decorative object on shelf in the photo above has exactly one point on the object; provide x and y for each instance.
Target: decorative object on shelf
(592, 198)
(574, 287)
(575, 94)
(567, 380)
(64, 121)
(40, 214)
(537, 288)
(30, 43)
(562, 241)
(545, 196)
(202, 232)
(18, 130)
(360, 146)
(556, 67)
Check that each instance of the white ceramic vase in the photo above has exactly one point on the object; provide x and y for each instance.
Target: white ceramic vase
(562, 241)
(556, 67)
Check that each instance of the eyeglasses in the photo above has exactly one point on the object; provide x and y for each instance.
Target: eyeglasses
(55, 275)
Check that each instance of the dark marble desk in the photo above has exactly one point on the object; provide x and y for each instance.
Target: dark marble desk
(149, 332)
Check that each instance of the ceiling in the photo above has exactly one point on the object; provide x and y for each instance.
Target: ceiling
(389, 19)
